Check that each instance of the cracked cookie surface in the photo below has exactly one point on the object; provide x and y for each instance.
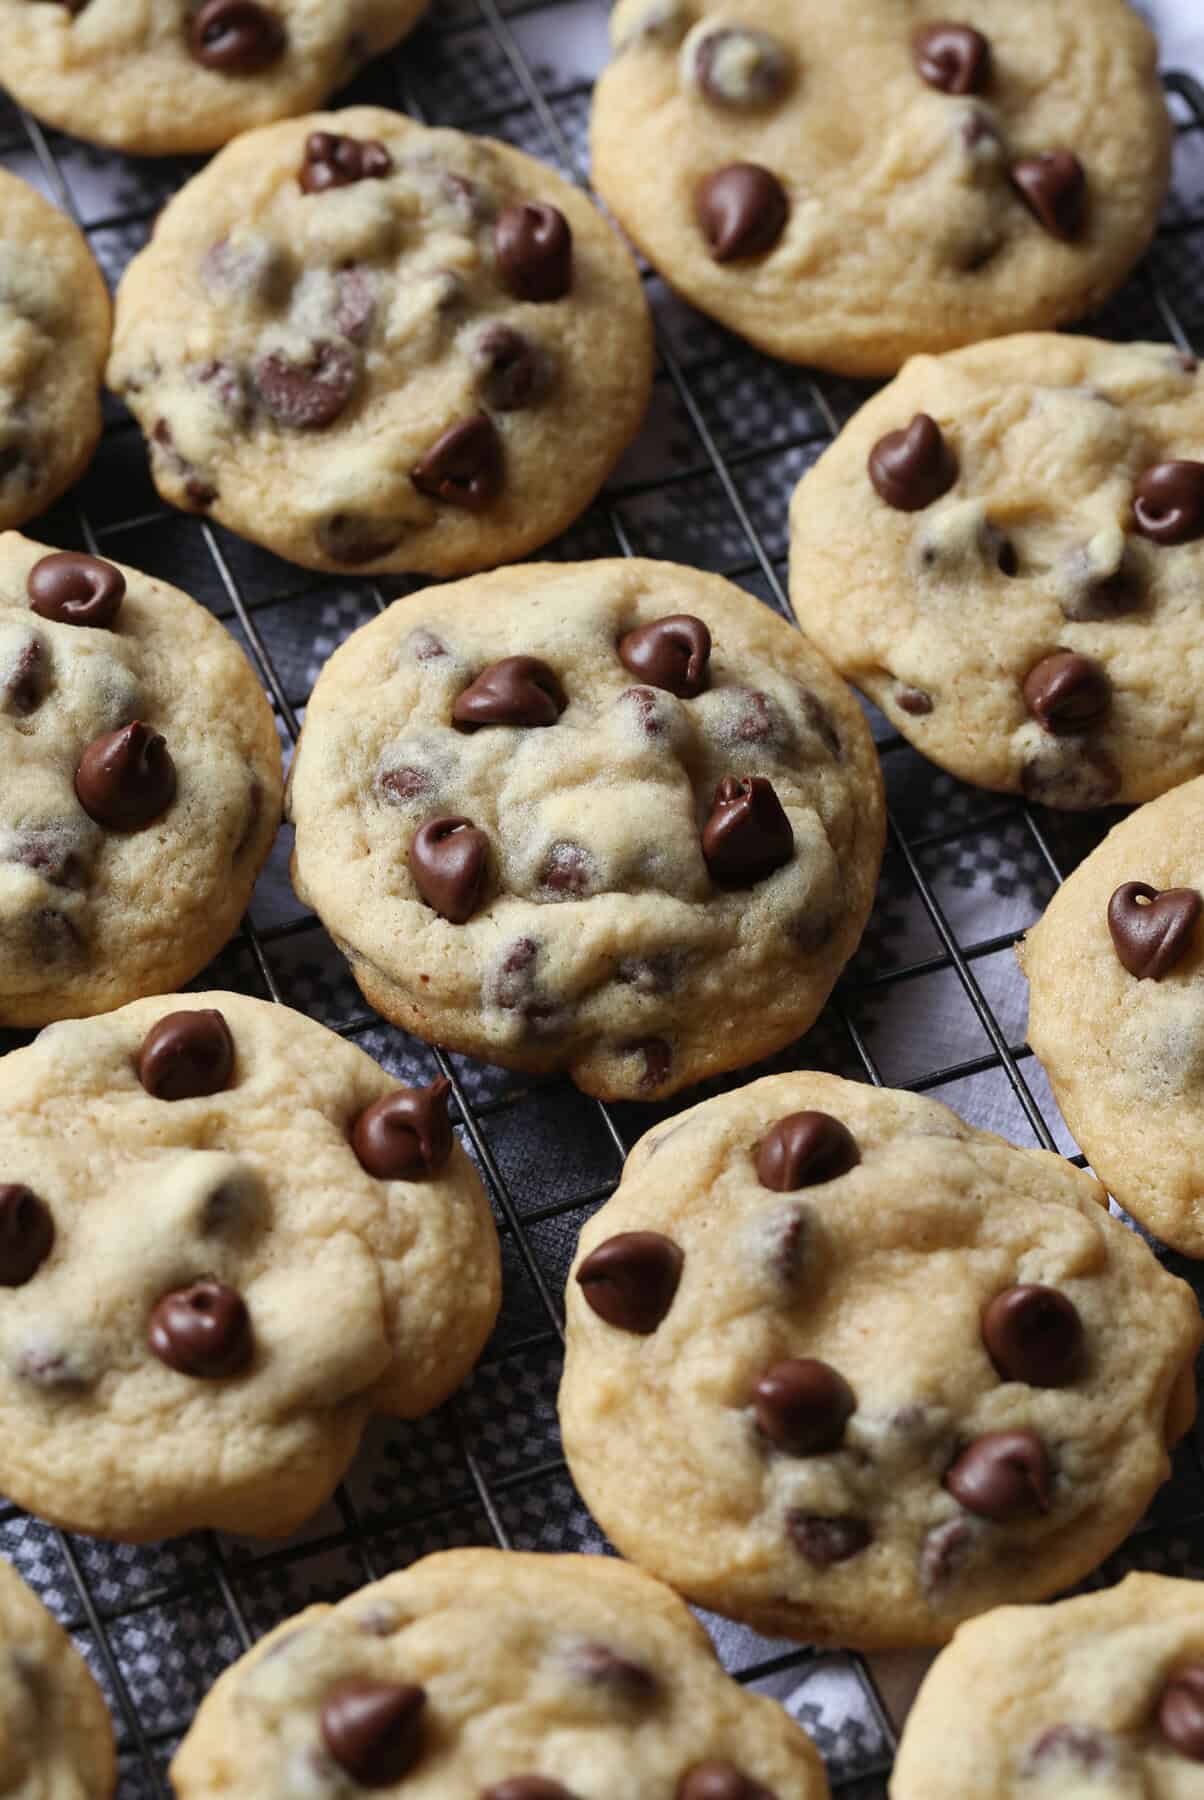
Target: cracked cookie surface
(56, 1741)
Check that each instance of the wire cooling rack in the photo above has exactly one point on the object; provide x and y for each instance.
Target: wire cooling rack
(933, 1000)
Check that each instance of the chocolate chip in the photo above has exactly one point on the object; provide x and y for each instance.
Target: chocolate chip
(943, 1554)
(354, 538)
(824, 1540)
(954, 58)
(734, 65)
(716, 1780)
(747, 835)
(236, 37)
(1181, 1711)
(534, 249)
(568, 871)
(742, 211)
(449, 860)
(332, 161)
(527, 1787)
(802, 1405)
(630, 1280)
(463, 467)
(603, 1667)
(513, 371)
(126, 779)
(203, 1330)
(76, 590)
(1053, 186)
(1034, 1334)
(1151, 930)
(187, 1055)
(51, 855)
(406, 1135)
(519, 690)
(373, 1729)
(1003, 1475)
(400, 787)
(804, 1149)
(913, 467)
(670, 653)
(25, 683)
(1168, 505)
(26, 1234)
(1066, 693)
(307, 395)
(913, 700)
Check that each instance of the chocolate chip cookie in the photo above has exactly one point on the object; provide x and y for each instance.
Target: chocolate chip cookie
(54, 337)
(366, 344)
(1099, 1696)
(141, 787)
(226, 1238)
(167, 76)
(483, 1675)
(1005, 549)
(1116, 984)
(850, 185)
(614, 817)
(56, 1742)
(846, 1368)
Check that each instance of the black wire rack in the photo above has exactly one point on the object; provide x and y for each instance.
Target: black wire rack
(933, 1000)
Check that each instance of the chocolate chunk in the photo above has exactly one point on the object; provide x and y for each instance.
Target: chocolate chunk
(603, 1667)
(126, 779)
(463, 467)
(747, 835)
(26, 1234)
(236, 37)
(187, 1055)
(373, 1729)
(824, 1540)
(1003, 1475)
(527, 1787)
(1168, 505)
(513, 370)
(630, 1280)
(534, 249)
(943, 1554)
(203, 1330)
(354, 538)
(954, 58)
(332, 161)
(670, 653)
(25, 683)
(449, 860)
(76, 590)
(804, 1149)
(1034, 1334)
(406, 1135)
(734, 65)
(913, 467)
(742, 211)
(1053, 186)
(1151, 930)
(1181, 1711)
(519, 690)
(803, 1405)
(1067, 693)
(913, 700)
(308, 395)
(714, 1780)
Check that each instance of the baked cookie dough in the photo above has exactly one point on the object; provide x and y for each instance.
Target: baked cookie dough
(850, 184)
(368, 344)
(491, 1675)
(141, 784)
(1098, 1698)
(1005, 550)
(56, 1741)
(226, 1238)
(1116, 1011)
(614, 817)
(843, 1367)
(54, 336)
(168, 76)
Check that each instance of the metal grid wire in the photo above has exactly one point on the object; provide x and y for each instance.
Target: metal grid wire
(931, 1002)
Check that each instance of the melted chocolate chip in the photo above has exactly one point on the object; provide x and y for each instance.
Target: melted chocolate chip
(401, 786)
(1181, 1711)
(449, 860)
(513, 370)
(126, 779)
(671, 653)
(943, 1553)
(1003, 1475)
(804, 1149)
(1034, 1334)
(732, 65)
(954, 58)
(913, 700)
(1168, 505)
(1150, 938)
(308, 395)
(1067, 693)
(714, 1780)
(802, 1405)
(50, 855)
(742, 211)
(824, 1540)
(25, 683)
(406, 1135)
(76, 590)
(568, 871)
(332, 161)
(187, 1055)
(373, 1729)
(1053, 186)
(603, 1667)
(631, 1279)
(534, 249)
(747, 835)
(26, 1234)
(203, 1330)
(519, 690)
(236, 37)
(913, 467)
(527, 1787)
(463, 467)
